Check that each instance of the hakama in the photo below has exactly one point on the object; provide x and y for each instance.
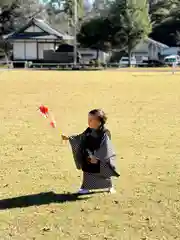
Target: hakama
(95, 176)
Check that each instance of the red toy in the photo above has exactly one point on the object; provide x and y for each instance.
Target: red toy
(44, 111)
(53, 124)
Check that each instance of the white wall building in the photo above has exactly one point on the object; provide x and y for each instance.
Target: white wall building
(150, 49)
(30, 41)
(171, 51)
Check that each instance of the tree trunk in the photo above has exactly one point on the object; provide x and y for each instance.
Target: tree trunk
(97, 54)
(129, 57)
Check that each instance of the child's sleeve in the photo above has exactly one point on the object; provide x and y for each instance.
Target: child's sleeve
(108, 133)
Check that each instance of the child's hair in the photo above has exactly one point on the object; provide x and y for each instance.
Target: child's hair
(100, 114)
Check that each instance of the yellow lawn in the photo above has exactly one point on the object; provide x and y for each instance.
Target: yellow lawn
(144, 118)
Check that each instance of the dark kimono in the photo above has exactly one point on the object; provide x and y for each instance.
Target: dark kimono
(95, 143)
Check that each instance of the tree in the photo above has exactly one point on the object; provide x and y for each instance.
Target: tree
(125, 25)
(166, 29)
(178, 38)
(61, 14)
(94, 34)
(66, 6)
(161, 10)
(14, 14)
(101, 7)
(130, 24)
(166, 32)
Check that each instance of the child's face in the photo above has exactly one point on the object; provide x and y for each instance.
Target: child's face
(93, 121)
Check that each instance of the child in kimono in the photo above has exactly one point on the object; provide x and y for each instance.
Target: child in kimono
(94, 155)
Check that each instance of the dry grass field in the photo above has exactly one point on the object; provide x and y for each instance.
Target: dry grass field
(37, 172)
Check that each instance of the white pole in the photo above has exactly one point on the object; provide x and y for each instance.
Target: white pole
(173, 67)
(75, 32)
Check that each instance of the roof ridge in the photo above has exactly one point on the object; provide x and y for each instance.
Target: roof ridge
(56, 31)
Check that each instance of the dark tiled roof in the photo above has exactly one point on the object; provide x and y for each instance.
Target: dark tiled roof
(47, 32)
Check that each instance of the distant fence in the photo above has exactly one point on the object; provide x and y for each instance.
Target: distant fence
(34, 65)
(29, 64)
(69, 66)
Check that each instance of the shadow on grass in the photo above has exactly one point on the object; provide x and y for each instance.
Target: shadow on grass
(39, 199)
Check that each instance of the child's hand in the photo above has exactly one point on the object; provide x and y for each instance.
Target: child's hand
(64, 137)
(93, 160)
